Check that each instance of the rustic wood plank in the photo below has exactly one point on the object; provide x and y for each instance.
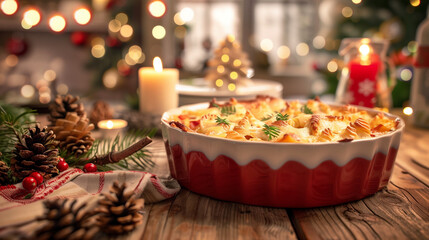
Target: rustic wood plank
(192, 216)
(155, 218)
(399, 211)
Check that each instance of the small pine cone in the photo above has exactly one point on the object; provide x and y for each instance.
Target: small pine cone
(119, 211)
(100, 111)
(63, 105)
(73, 134)
(35, 152)
(4, 173)
(64, 220)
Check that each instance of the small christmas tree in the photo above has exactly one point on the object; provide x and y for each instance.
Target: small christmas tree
(229, 67)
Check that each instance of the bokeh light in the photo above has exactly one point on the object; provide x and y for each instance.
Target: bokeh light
(415, 3)
(231, 87)
(32, 17)
(347, 12)
(220, 69)
(319, 42)
(9, 7)
(62, 89)
(332, 66)
(178, 19)
(158, 32)
(57, 23)
(27, 91)
(236, 63)
(98, 51)
(157, 8)
(283, 52)
(219, 82)
(45, 97)
(302, 49)
(356, 1)
(186, 14)
(364, 49)
(110, 78)
(97, 41)
(412, 46)
(11, 60)
(407, 111)
(25, 25)
(180, 32)
(50, 75)
(233, 75)
(406, 74)
(126, 31)
(266, 45)
(82, 16)
(114, 25)
(224, 58)
(122, 18)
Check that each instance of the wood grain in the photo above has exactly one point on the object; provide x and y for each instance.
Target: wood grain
(191, 216)
(396, 212)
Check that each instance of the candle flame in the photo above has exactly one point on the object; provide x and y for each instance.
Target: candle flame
(364, 51)
(157, 64)
(109, 124)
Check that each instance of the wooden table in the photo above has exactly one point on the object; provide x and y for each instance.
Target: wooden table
(400, 211)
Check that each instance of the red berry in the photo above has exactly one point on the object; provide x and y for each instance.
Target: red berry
(37, 176)
(62, 166)
(61, 159)
(90, 167)
(29, 183)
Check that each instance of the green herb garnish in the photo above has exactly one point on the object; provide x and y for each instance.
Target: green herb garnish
(271, 131)
(305, 109)
(279, 117)
(221, 121)
(268, 117)
(226, 110)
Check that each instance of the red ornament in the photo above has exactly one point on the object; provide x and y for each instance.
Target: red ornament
(90, 167)
(60, 159)
(79, 38)
(17, 46)
(29, 183)
(62, 166)
(37, 176)
(112, 42)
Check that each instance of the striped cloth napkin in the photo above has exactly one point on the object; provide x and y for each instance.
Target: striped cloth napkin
(85, 187)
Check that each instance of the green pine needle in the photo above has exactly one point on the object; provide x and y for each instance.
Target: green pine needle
(226, 110)
(271, 131)
(266, 118)
(221, 121)
(305, 109)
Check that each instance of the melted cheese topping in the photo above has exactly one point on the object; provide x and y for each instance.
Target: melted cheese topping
(275, 120)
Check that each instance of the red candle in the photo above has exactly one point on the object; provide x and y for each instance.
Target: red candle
(362, 88)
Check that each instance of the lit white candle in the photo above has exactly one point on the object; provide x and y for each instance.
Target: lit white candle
(110, 128)
(158, 88)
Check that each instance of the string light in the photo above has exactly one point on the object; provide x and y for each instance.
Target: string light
(266, 45)
(126, 31)
(415, 3)
(27, 91)
(220, 69)
(178, 19)
(225, 58)
(157, 9)
(406, 74)
(98, 51)
(57, 23)
(347, 12)
(233, 75)
(9, 7)
(231, 87)
(219, 82)
(50, 75)
(186, 14)
(82, 16)
(236, 63)
(332, 66)
(356, 1)
(302, 49)
(319, 42)
(122, 17)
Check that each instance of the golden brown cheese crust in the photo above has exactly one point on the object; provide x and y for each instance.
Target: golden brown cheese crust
(275, 120)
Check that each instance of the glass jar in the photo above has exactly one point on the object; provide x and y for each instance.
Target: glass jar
(363, 78)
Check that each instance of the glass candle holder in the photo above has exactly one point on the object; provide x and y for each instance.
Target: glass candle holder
(364, 80)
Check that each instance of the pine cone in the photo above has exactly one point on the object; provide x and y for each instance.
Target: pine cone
(119, 211)
(4, 172)
(65, 221)
(35, 152)
(63, 105)
(73, 134)
(100, 111)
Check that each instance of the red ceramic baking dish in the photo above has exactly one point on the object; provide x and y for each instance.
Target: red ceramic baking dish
(280, 174)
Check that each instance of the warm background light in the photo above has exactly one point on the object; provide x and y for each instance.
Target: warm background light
(319, 42)
(283, 52)
(187, 14)
(302, 49)
(57, 23)
(266, 45)
(82, 16)
(9, 7)
(158, 32)
(126, 31)
(32, 17)
(407, 111)
(157, 8)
